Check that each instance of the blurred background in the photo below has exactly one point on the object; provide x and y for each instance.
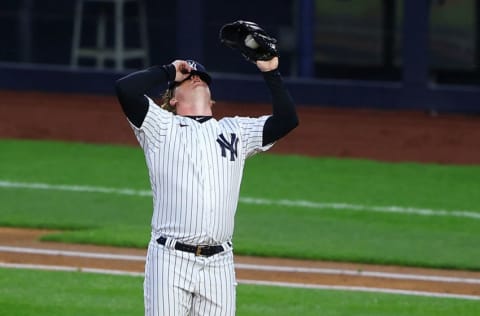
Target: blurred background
(420, 54)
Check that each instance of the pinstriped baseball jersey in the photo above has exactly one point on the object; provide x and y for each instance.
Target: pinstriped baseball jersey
(195, 172)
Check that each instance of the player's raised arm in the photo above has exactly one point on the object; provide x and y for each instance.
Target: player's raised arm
(131, 89)
(260, 48)
(284, 117)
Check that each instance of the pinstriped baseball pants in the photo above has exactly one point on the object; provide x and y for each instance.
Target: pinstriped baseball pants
(179, 283)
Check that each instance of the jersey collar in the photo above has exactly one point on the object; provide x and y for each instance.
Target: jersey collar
(199, 118)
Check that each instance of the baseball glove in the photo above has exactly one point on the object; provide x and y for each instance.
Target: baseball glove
(250, 39)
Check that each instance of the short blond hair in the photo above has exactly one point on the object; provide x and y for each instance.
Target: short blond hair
(166, 97)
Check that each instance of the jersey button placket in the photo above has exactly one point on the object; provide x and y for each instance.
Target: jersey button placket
(207, 198)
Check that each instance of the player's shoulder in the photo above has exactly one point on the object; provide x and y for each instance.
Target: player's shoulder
(241, 121)
(236, 119)
(157, 111)
(228, 119)
(232, 122)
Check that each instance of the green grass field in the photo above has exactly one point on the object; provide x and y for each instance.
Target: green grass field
(317, 208)
(290, 221)
(29, 293)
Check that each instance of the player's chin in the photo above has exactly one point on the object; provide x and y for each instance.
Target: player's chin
(200, 85)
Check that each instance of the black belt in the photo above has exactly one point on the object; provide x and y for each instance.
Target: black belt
(205, 251)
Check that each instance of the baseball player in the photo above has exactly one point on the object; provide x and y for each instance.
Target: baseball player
(195, 165)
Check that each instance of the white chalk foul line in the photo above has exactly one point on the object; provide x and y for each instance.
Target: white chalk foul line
(251, 200)
(67, 268)
(244, 281)
(359, 289)
(245, 266)
(72, 188)
(364, 208)
(372, 274)
(69, 253)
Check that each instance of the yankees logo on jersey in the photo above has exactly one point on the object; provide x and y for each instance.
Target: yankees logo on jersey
(226, 145)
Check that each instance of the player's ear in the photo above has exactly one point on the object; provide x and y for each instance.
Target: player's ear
(173, 102)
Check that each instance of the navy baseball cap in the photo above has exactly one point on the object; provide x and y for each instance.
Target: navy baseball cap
(197, 69)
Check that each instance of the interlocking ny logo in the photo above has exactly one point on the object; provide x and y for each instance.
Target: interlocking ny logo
(192, 64)
(225, 144)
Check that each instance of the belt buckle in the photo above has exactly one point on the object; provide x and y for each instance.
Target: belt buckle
(198, 252)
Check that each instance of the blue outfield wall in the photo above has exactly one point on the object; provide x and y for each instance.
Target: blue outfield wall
(251, 88)
(414, 91)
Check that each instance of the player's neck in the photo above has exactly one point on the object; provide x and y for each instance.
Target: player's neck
(198, 109)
